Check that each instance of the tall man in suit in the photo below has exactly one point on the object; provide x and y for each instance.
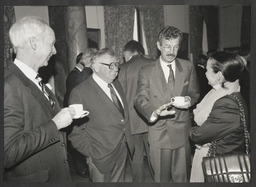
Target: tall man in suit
(106, 136)
(158, 83)
(34, 145)
(128, 77)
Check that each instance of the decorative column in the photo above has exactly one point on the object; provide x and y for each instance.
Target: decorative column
(76, 33)
(9, 19)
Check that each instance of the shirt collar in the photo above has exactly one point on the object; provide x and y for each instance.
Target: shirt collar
(99, 80)
(28, 71)
(166, 64)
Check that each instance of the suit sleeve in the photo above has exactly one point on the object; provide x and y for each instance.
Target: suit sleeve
(223, 119)
(20, 139)
(122, 78)
(193, 90)
(78, 137)
(142, 98)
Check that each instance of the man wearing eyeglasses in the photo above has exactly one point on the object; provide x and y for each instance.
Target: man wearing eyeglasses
(104, 136)
(170, 122)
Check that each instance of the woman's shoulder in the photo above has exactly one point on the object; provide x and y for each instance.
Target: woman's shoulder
(229, 100)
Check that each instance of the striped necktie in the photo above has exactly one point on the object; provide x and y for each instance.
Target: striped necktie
(43, 89)
(115, 99)
(171, 80)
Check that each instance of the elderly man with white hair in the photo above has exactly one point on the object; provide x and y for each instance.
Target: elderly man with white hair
(34, 145)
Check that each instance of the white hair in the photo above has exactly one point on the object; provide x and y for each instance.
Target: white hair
(24, 29)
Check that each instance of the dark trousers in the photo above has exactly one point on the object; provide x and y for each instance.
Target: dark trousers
(137, 164)
(118, 172)
(170, 165)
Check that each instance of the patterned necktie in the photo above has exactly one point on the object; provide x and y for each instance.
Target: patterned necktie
(171, 80)
(42, 85)
(115, 99)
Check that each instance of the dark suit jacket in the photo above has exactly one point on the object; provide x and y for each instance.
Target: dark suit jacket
(128, 77)
(224, 125)
(34, 149)
(100, 137)
(168, 132)
(74, 78)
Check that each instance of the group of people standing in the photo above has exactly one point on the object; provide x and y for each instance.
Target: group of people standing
(131, 113)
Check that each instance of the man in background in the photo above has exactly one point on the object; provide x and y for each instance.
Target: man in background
(34, 143)
(128, 77)
(200, 71)
(80, 73)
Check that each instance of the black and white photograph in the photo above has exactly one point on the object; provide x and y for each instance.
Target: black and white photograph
(139, 93)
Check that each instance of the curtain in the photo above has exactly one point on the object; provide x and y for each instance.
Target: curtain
(198, 14)
(246, 26)
(119, 22)
(9, 19)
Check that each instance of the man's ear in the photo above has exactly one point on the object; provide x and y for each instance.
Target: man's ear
(220, 77)
(158, 45)
(95, 67)
(32, 42)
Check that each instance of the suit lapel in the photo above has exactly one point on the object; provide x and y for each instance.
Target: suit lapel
(122, 95)
(39, 96)
(105, 100)
(179, 78)
(160, 81)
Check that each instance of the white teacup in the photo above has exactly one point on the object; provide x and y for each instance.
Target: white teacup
(78, 109)
(178, 100)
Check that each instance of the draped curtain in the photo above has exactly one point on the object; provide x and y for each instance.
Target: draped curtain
(119, 22)
(246, 25)
(198, 14)
(9, 19)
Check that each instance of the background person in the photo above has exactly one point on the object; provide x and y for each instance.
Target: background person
(128, 77)
(80, 73)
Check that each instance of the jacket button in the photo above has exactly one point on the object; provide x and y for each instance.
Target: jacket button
(63, 144)
(65, 161)
(122, 120)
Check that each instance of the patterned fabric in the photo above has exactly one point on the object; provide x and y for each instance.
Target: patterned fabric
(9, 19)
(119, 22)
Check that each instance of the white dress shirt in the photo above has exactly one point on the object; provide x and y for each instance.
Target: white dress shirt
(166, 69)
(105, 88)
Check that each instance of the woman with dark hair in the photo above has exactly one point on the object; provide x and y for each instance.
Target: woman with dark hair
(218, 115)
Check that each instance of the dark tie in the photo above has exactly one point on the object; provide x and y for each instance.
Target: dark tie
(171, 80)
(42, 85)
(115, 99)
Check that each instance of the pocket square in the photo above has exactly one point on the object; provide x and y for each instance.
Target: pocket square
(186, 83)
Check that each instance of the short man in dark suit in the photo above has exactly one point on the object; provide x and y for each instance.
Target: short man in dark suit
(170, 151)
(128, 77)
(34, 145)
(105, 137)
(79, 74)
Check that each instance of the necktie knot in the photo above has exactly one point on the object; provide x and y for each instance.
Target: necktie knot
(43, 89)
